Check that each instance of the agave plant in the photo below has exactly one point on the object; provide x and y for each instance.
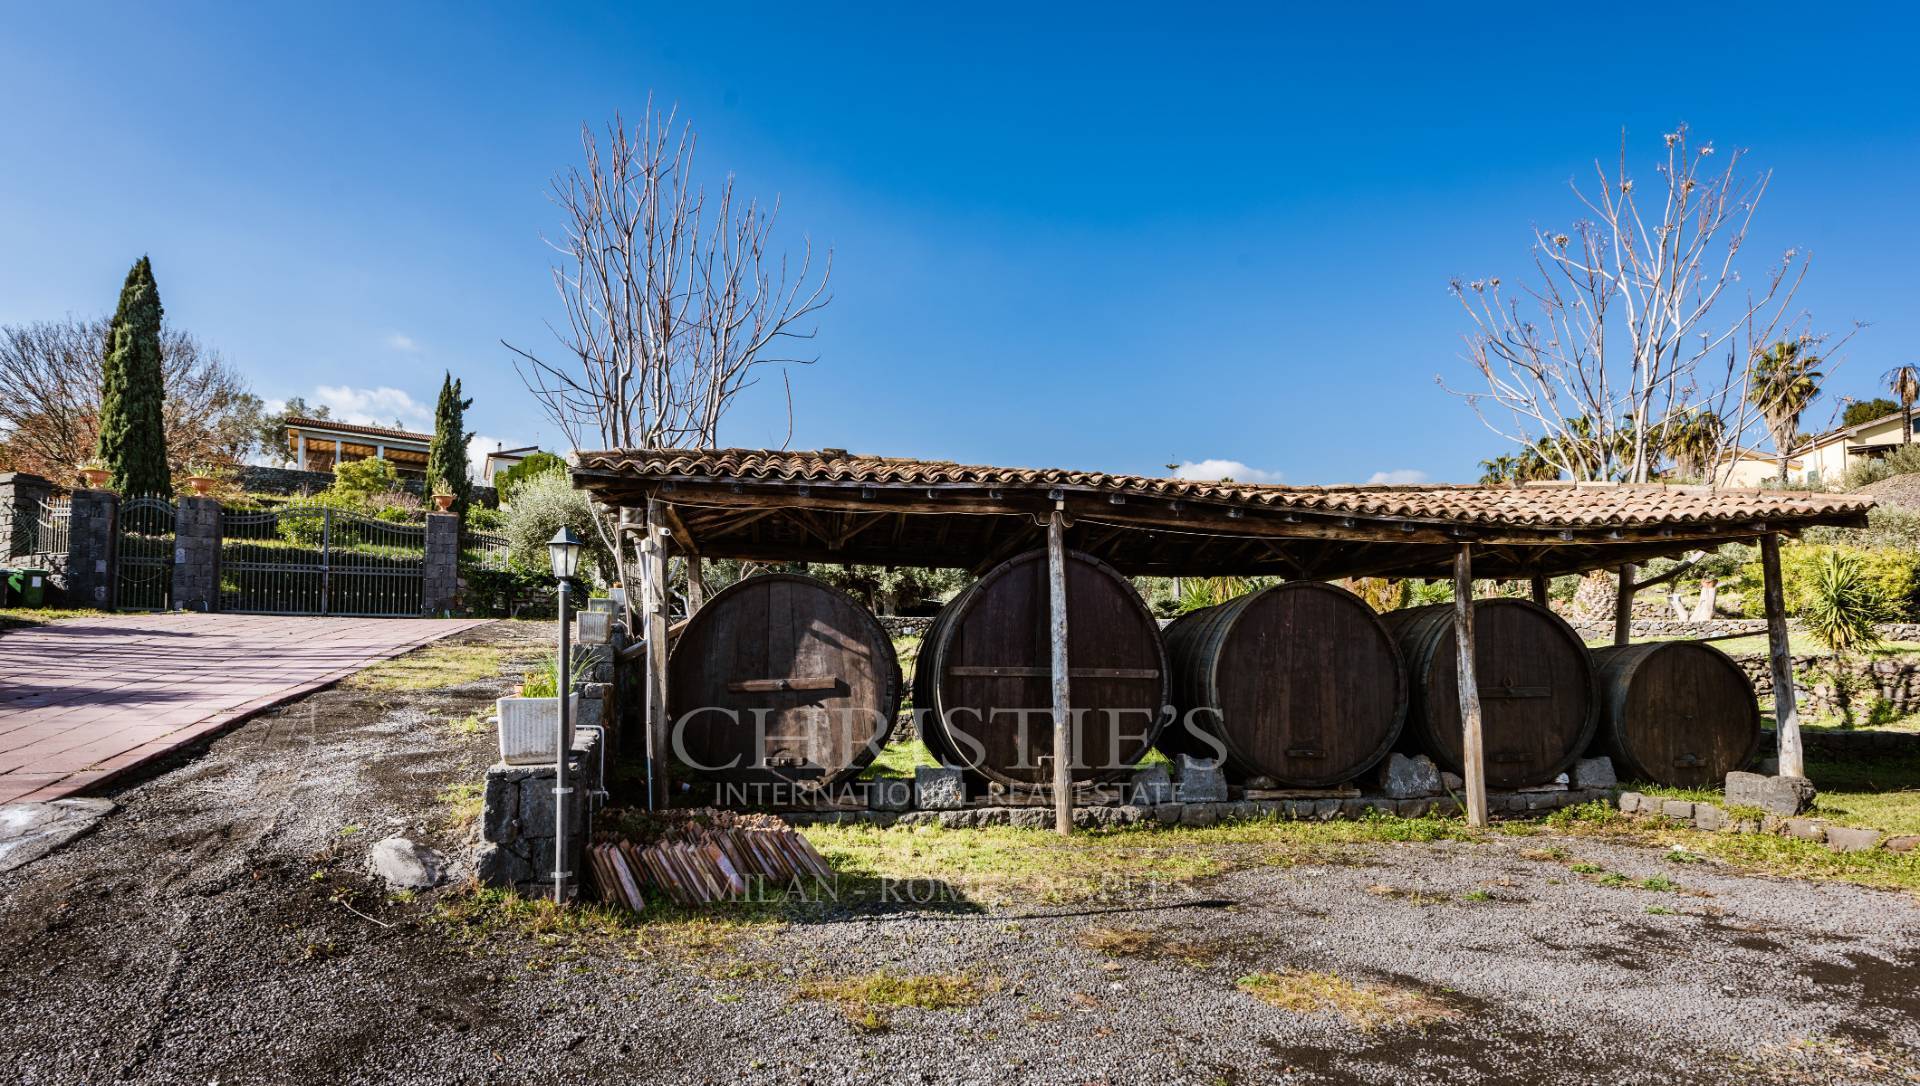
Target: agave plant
(1842, 614)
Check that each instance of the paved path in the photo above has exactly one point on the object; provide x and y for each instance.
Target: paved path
(83, 701)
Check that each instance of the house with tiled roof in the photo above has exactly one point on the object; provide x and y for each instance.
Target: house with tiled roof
(1825, 458)
(323, 444)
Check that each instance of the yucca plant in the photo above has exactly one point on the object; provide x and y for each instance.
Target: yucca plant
(1842, 613)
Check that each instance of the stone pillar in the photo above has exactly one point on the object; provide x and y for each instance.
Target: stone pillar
(516, 820)
(21, 496)
(442, 588)
(93, 549)
(196, 554)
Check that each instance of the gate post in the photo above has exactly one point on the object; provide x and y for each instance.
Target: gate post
(93, 549)
(21, 496)
(196, 554)
(441, 586)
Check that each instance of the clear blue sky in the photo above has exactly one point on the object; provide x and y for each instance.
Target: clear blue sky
(1098, 236)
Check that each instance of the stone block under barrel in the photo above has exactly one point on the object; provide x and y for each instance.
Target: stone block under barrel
(1538, 703)
(982, 684)
(782, 679)
(1678, 713)
(1300, 683)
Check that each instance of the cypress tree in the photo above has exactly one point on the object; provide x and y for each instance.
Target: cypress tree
(133, 436)
(447, 456)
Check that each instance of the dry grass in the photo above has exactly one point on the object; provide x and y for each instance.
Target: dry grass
(1141, 943)
(461, 804)
(1368, 1006)
(868, 999)
(434, 667)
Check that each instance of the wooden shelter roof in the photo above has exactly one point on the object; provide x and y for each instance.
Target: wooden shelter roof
(831, 506)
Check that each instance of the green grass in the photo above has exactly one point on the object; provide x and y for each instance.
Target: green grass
(899, 760)
(869, 999)
(1802, 643)
(1759, 853)
(432, 668)
(1368, 1006)
(1881, 793)
(461, 805)
(994, 865)
(17, 618)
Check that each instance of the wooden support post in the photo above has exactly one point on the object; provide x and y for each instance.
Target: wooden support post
(1062, 711)
(653, 577)
(1786, 713)
(1469, 682)
(1623, 607)
(696, 586)
(1540, 589)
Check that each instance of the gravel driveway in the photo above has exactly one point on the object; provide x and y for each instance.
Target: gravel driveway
(218, 928)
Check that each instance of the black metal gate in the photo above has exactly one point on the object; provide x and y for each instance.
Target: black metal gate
(319, 560)
(143, 563)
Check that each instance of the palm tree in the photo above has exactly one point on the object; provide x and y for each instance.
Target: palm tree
(1904, 383)
(1784, 383)
(1693, 439)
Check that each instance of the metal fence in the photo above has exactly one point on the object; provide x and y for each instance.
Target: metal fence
(143, 566)
(40, 531)
(483, 549)
(313, 559)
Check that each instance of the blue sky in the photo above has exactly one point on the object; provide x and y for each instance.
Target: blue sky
(1092, 236)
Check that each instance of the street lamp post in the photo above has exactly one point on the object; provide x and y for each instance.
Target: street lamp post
(564, 551)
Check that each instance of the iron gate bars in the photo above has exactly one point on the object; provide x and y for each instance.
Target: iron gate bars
(143, 573)
(312, 559)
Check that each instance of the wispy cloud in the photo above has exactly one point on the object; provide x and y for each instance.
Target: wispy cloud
(1398, 477)
(1215, 470)
(381, 406)
(400, 341)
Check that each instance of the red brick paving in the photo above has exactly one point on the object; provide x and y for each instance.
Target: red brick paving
(84, 701)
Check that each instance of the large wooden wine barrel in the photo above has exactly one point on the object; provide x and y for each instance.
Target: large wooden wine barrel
(1538, 704)
(983, 688)
(1677, 713)
(788, 680)
(1300, 683)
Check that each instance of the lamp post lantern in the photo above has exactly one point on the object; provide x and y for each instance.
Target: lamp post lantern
(564, 552)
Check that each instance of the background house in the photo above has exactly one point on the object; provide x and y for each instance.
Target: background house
(321, 444)
(1823, 460)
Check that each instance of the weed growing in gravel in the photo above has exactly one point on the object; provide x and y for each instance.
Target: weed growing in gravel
(1367, 1006)
(1613, 878)
(481, 914)
(1477, 895)
(868, 999)
(473, 723)
(1139, 942)
(1584, 868)
(1550, 854)
(1659, 910)
(461, 804)
(1762, 853)
(433, 668)
(1659, 882)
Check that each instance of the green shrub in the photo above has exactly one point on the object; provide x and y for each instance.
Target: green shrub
(1892, 574)
(540, 506)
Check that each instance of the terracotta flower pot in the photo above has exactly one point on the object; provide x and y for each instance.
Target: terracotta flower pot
(96, 477)
(443, 502)
(201, 484)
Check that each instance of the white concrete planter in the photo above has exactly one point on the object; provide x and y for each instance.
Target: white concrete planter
(530, 729)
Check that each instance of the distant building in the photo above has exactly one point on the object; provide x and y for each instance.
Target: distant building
(500, 460)
(322, 445)
(1824, 459)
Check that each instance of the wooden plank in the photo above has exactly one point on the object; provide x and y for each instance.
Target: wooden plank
(1062, 681)
(653, 570)
(1539, 584)
(696, 584)
(1786, 712)
(798, 682)
(1469, 683)
(1009, 672)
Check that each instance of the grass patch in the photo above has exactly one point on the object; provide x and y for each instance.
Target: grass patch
(483, 915)
(1368, 1006)
(1881, 793)
(899, 760)
(20, 618)
(473, 723)
(461, 804)
(1141, 943)
(1759, 853)
(996, 865)
(869, 999)
(432, 668)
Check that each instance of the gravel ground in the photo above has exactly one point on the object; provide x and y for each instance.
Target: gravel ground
(218, 928)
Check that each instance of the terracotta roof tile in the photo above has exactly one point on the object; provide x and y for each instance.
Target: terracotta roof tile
(355, 428)
(1550, 505)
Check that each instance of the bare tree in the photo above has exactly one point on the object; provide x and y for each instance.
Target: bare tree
(673, 298)
(50, 382)
(1637, 321)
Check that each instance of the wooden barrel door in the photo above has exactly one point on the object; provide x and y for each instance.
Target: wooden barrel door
(1538, 704)
(983, 680)
(1675, 713)
(1299, 683)
(781, 678)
